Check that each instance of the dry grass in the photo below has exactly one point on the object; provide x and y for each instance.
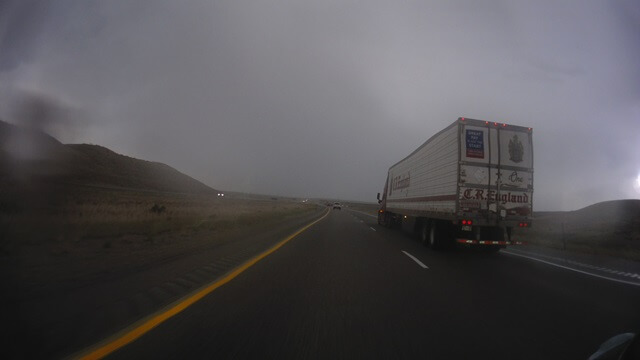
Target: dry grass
(599, 230)
(101, 213)
(92, 231)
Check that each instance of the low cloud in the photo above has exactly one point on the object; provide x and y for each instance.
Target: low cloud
(318, 100)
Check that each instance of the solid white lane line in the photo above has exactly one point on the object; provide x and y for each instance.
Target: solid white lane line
(372, 228)
(612, 271)
(416, 260)
(572, 269)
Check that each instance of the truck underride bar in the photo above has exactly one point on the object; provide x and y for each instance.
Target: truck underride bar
(488, 242)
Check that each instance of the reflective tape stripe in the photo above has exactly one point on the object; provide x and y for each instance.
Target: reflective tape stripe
(488, 242)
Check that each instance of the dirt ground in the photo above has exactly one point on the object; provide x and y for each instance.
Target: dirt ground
(84, 233)
(583, 236)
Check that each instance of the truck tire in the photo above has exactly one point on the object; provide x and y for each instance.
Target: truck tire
(423, 233)
(434, 242)
(441, 235)
(387, 219)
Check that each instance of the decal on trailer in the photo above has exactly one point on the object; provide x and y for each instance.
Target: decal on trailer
(492, 195)
(400, 182)
(516, 150)
(475, 143)
(470, 204)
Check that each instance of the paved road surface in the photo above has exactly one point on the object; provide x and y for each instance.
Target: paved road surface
(346, 288)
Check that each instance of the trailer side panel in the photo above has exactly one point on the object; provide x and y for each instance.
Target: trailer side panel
(426, 181)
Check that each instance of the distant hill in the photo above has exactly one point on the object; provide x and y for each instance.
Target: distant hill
(616, 217)
(610, 227)
(32, 156)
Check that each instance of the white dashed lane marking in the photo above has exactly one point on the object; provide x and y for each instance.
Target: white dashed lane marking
(416, 260)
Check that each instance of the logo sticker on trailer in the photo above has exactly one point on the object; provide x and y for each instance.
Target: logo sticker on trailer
(516, 150)
(475, 144)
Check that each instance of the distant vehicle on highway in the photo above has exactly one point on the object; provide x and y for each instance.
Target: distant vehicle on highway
(337, 206)
(470, 183)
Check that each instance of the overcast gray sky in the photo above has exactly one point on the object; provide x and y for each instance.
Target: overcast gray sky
(319, 99)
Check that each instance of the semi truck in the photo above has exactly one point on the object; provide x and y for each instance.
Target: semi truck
(470, 184)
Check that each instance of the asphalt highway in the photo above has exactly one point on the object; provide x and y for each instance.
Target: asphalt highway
(348, 288)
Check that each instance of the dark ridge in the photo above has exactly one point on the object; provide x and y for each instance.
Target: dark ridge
(612, 212)
(32, 156)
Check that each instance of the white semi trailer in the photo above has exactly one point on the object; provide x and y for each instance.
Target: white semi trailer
(471, 183)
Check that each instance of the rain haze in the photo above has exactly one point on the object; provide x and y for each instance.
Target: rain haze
(319, 99)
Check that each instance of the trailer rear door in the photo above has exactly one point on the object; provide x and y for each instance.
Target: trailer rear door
(496, 171)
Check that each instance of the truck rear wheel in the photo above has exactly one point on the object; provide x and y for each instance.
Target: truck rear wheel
(434, 242)
(387, 219)
(441, 235)
(424, 233)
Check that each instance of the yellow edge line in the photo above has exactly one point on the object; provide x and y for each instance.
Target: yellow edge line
(143, 326)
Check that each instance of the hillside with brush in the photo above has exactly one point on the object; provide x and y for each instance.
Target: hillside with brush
(29, 156)
(609, 227)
